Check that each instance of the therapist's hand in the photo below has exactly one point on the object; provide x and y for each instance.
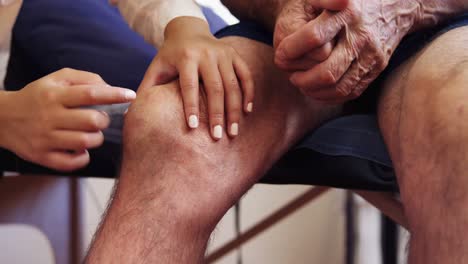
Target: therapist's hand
(191, 53)
(366, 33)
(45, 123)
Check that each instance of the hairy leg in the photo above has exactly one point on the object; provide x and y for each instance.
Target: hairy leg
(423, 116)
(177, 183)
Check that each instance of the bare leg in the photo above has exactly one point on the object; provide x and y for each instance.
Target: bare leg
(176, 184)
(423, 115)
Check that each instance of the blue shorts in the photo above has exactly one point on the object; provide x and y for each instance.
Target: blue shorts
(347, 152)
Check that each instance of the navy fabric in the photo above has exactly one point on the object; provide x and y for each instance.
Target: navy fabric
(87, 35)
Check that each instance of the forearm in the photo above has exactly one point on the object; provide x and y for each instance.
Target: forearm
(5, 98)
(150, 17)
(8, 15)
(432, 12)
(262, 11)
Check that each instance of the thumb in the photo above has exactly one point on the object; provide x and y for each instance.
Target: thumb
(159, 72)
(331, 5)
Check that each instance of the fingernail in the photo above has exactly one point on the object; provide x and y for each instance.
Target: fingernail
(234, 129)
(126, 111)
(193, 121)
(129, 94)
(250, 107)
(218, 132)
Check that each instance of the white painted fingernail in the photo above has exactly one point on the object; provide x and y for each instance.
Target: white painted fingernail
(130, 94)
(126, 111)
(235, 129)
(250, 107)
(218, 132)
(193, 121)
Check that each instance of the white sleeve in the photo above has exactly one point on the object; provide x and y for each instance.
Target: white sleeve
(8, 12)
(150, 17)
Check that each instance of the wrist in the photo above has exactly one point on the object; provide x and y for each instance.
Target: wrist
(185, 26)
(429, 13)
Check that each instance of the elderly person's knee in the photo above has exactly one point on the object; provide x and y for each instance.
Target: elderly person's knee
(156, 119)
(435, 86)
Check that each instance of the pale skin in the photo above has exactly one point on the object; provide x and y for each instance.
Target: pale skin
(43, 122)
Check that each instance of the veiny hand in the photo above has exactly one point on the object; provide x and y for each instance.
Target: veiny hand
(294, 15)
(190, 50)
(367, 32)
(45, 124)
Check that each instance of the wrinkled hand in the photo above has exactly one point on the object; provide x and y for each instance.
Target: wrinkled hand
(190, 50)
(46, 125)
(294, 15)
(366, 33)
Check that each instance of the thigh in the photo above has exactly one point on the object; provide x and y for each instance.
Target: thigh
(419, 89)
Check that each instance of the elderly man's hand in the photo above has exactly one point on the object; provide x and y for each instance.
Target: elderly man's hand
(293, 15)
(366, 33)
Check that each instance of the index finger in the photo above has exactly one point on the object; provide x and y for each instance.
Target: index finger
(77, 77)
(86, 95)
(311, 36)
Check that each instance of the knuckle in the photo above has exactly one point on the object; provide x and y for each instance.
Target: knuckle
(234, 110)
(344, 90)
(232, 84)
(95, 77)
(189, 55)
(84, 141)
(322, 53)
(356, 93)
(95, 121)
(210, 55)
(66, 71)
(189, 83)
(381, 60)
(48, 94)
(191, 108)
(351, 14)
(247, 74)
(215, 88)
(217, 116)
(328, 77)
(90, 94)
(312, 36)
